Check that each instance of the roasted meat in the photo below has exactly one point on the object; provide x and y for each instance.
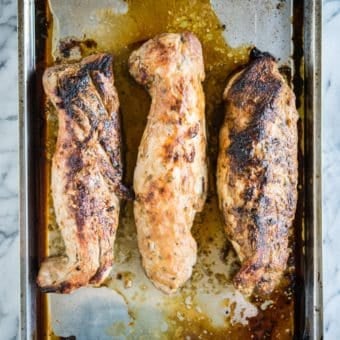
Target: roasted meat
(170, 179)
(257, 171)
(86, 172)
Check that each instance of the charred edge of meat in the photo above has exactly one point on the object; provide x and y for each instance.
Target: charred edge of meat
(257, 85)
(70, 87)
(63, 287)
(257, 54)
(256, 82)
(103, 65)
(97, 277)
(67, 287)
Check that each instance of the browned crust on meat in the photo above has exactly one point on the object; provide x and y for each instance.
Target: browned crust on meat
(171, 175)
(86, 172)
(257, 168)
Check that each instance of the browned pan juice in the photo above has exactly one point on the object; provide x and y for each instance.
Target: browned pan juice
(119, 34)
(43, 139)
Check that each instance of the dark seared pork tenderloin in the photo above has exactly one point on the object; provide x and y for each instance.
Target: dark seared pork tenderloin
(257, 171)
(86, 172)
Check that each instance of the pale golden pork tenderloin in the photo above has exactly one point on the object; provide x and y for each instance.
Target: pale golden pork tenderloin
(170, 178)
(86, 172)
(257, 171)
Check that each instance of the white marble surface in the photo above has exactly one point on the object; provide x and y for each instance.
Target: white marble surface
(9, 235)
(331, 168)
(9, 230)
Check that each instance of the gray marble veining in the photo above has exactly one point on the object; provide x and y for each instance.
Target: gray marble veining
(9, 231)
(9, 234)
(331, 168)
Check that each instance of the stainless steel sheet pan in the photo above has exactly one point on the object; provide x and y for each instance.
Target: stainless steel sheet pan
(291, 31)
